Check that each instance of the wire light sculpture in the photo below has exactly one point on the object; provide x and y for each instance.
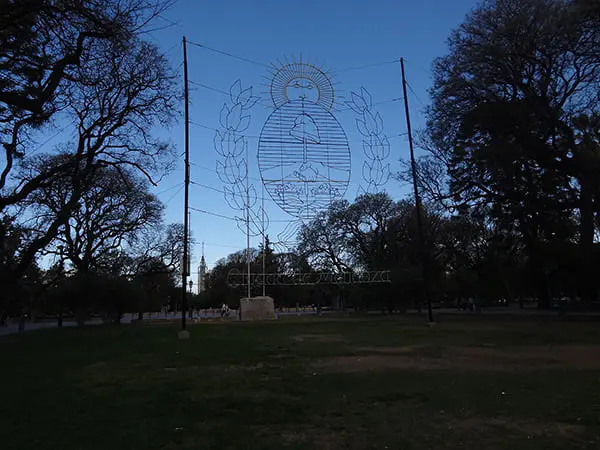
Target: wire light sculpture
(237, 278)
(303, 154)
(376, 146)
(232, 167)
(303, 151)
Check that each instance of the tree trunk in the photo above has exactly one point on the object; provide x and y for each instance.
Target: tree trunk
(544, 292)
(543, 298)
(80, 316)
(536, 263)
(510, 295)
(540, 277)
(586, 241)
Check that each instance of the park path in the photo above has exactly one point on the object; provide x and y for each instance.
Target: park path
(13, 327)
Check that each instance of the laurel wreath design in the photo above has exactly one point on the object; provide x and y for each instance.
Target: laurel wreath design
(376, 146)
(232, 168)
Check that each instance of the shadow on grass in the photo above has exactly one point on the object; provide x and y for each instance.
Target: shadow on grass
(253, 386)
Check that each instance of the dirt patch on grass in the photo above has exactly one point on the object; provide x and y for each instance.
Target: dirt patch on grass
(530, 427)
(294, 437)
(376, 363)
(403, 350)
(563, 356)
(464, 358)
(233, 368)
(315, 437)
(318, 338)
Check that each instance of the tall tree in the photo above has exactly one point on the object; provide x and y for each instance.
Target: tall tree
(81, 63)
(113, 210)
(323, 244)
(11, 250)
(160, 246)
(504, 119)
(46, 46)
(364, 224)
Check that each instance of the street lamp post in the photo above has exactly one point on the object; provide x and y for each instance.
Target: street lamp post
(61, 269)
(190, 308)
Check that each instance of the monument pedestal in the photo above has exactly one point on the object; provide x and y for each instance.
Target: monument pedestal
(183, 335)
(257, 308)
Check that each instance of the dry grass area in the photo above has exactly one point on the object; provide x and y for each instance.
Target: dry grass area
(423, 357)
(318, 338)
(529, 427)
(319, 383)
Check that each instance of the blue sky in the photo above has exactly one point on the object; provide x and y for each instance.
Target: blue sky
(334, 34)
(339, 36)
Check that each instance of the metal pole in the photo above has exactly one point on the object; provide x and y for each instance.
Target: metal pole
(60, 278)
(184, 268)
(423, 250)
(264, 242)
(248, 224)
(189, 244)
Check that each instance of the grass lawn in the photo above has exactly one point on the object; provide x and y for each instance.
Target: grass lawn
(320, 383)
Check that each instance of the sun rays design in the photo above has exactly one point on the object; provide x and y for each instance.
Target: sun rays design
(303, 152)
(290, 80)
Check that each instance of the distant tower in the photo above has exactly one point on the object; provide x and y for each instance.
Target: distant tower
(202, 273)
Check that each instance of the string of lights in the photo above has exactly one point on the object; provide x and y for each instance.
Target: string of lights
(195, 83)
(210, 213)
(231, 55)
(258, 63)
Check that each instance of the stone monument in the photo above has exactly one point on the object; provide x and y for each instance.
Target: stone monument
(257, 308)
